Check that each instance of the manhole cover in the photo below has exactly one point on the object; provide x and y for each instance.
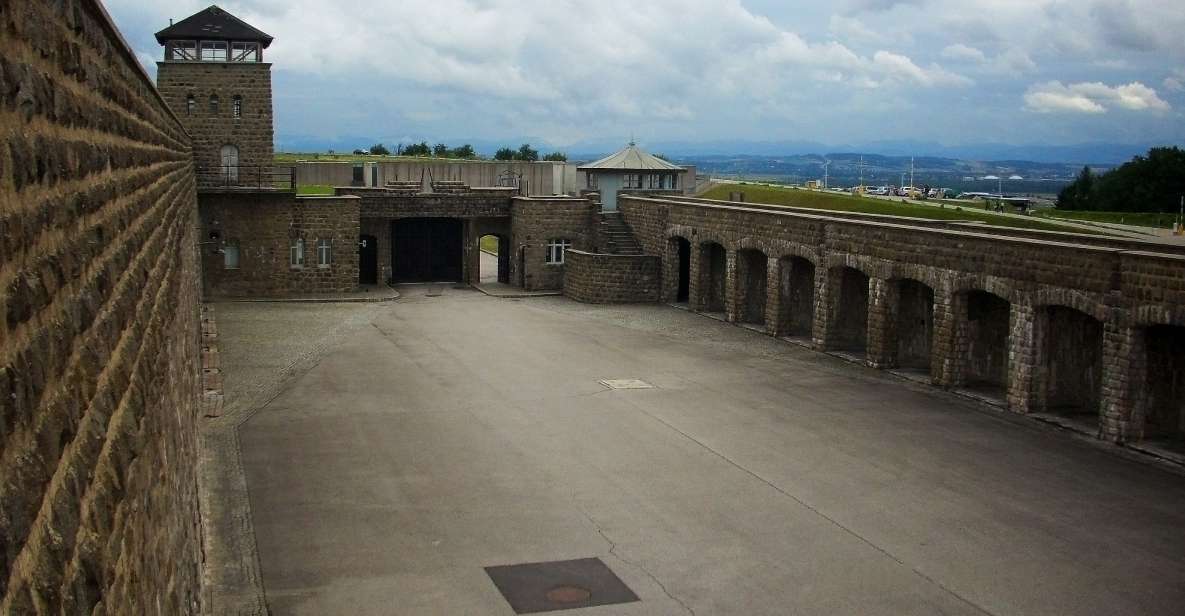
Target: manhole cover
(559, 585)
(568, 594)
(626, 384)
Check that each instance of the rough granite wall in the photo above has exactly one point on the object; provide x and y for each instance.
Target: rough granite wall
(537, 220)
(99, 326)
(263, 225)
(611, 279)
(210, 129)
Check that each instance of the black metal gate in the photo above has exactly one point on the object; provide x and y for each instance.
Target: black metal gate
(427, 250)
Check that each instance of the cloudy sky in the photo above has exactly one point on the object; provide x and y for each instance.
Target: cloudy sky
(573, 73)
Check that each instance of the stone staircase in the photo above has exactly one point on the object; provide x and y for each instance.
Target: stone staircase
(451, 187)
(404, 188)
(616, 237)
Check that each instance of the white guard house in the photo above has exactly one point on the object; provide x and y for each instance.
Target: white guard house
(631, 170)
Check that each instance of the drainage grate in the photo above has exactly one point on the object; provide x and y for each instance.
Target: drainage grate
(626, 384)
(559, 585)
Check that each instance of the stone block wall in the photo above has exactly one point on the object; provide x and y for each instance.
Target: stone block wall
(264, 226)
(611, 279)
(99, 326)
(536, 221)
(252, 132)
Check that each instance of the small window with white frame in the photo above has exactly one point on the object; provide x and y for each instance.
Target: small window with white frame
(230, 254)
(296, 253)
(555, 251)
(324, 252)
(214, 51)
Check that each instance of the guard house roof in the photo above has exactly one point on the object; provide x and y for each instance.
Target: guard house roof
(632, 158)
(213, 24)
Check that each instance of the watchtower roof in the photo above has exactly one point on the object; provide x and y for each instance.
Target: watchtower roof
(632, 158)
(213, 24)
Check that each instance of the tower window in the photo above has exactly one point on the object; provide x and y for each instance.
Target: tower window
(183, 50)
(230, 254)
(296, 253)
(236, 107)
(244, 52)
(324, 253)
(214, 105)
(214, 51)
(190, 105)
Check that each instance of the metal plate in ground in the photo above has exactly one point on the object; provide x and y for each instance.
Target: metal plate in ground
(559, 585)
(626, 384)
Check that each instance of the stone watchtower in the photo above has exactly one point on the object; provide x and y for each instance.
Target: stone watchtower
(214, 78)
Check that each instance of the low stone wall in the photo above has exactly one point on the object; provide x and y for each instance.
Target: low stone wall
(99, 327)
(537, 221)
(612, 279)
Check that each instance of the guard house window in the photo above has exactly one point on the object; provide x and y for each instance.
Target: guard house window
(631, 180)
(296, 253)
(230, 254)
(190, 105)
(555, 251)
(236, 107)
(214, 51)
(183, 50)
(214, 105)
(592, 181)
(244, 52)
(324, 253)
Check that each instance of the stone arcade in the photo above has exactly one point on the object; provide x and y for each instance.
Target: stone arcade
(123, 203)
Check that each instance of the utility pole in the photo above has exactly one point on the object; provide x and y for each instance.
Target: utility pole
(826, 164)
(861, 175)
(910, 174)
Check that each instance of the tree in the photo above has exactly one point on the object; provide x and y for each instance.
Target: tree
(1152, 183)
(418, 149)
(440, 150)
(379, 149)
(527, 153)
(556, 156)
(505, 154)
(465, 151)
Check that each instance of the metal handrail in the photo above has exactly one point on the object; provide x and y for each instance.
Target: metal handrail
(247, 176)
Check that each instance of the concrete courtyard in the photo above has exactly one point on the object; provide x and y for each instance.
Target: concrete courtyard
(393, 450)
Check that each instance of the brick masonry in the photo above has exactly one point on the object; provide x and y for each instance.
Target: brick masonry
(535, 221)
(251, 132)
(264, 226)
(99, 326)
(1104, 294)
(611, 279)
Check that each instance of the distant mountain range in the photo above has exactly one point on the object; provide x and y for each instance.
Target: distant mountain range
(1096, 153)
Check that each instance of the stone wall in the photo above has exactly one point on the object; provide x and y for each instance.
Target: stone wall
(264, 226)
(210, 129)
(611, 279)
(99, 326)
(535, 222)
(1002, 308)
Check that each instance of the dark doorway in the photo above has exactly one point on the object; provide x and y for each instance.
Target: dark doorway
(683, 292)
(713, 265)
(798, 296)
(1073, 362)
(427, 250)
(493, 259)
(1164, 408)
(850, 311)
(987, 342)
(752, 271)
(915, 325)
(368, 259)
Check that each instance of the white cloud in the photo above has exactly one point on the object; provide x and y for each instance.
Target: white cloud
(853, 29)
(962, 52)
(1176, 81)
(902, 68)
(1096, 97)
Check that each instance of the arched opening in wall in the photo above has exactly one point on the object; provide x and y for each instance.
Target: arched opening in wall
(1073, 362)
(914, 325)
(427, 250)
(797, 282)
(1164, 403)
(849, 310)
(986, 339)
(682, 252)
(713, 272)
(493, 259)
(368, 259)
(752, 269)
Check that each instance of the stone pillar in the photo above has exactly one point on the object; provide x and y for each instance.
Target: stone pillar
(773, 295)
(1125, 371)
(732, 303)
(670, 272)
(883, 304)
(697, 283)
(1026, 337)
(825, 290)
(948, 355)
